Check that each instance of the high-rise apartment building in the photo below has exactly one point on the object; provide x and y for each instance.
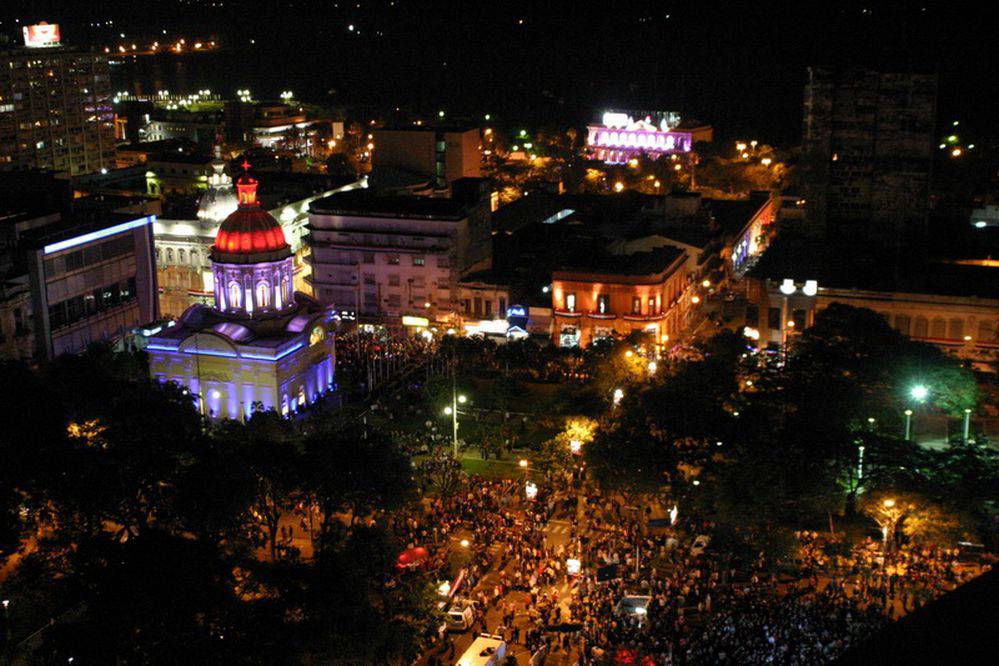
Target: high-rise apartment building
(55, 109)
(867, 149)
(442, 155)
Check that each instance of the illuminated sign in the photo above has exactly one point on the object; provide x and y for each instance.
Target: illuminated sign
(41, 35)
(516, 311)
(415, 321)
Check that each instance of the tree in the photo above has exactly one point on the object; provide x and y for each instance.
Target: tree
(267, 448)
(561, 451)
(352, 469)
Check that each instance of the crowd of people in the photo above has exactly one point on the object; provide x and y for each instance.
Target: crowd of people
(698, 607)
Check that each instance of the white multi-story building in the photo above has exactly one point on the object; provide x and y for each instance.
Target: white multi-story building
(383, 257)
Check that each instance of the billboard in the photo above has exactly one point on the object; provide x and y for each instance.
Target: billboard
(41, 35)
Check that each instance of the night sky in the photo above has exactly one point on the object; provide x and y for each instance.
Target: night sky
(737, 65)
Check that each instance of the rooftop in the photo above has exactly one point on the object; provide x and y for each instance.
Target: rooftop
(638, 264)
(364, 203)
(864, 266)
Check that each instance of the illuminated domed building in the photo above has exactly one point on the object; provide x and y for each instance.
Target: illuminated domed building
(262, 345)
(219, 200)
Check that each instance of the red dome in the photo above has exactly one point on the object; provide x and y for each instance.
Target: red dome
(250, 233)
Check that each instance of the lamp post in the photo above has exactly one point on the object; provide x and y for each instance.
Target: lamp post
(452, 411)
(967, 425)
(908, 425)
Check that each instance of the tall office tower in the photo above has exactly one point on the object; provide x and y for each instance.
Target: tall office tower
(867, 150)
(55, 106)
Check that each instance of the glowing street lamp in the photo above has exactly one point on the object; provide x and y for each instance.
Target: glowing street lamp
(919, 392)
(464, 543)
(452, 411)
(575, 447)
(618, 395)
(908, 424)
(530, 490)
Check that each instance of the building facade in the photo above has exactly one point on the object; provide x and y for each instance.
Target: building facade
(621, 136)
(262, 346)
(867, 149)
(644, 292)
(55, 110)
(965, 326)
(89, 281)
(383, 257)
(442, 154)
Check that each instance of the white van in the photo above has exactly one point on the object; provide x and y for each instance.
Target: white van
(460, 616)
(485, 650)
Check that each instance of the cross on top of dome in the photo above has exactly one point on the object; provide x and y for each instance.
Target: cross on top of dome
(246, 185)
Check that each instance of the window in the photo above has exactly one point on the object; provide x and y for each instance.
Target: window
(798, 317)
(938, 329)
(419, 261)
(367, 258)
(393, 279)
(181, 256)
(920, 328)
(393, 260)
(902, 323)
(753, 316)
(570, 302)
(443, 262)
(603, 303)
(636, 305)
(986, 331)
(956, 330)
(652, 305)
(234, 294)
(478, 306)
(169, 255)
(489, 309)
(502, 306)
(773, 319)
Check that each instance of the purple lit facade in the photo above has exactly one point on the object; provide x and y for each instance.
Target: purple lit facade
(616, 145)
(262, 346)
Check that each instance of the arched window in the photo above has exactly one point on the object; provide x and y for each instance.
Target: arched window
(285, 291)
(938, 329)
(169, 255)
(234, 294)
(986, 331)
(263, 294)
(194, 257)
(182, 256)
(956, 329)
(157, 254)
(284, 405)
(920, 328)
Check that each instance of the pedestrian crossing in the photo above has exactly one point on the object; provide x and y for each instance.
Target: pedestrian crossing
(558, 527)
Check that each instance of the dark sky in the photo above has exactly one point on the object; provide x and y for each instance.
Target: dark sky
(739, 65)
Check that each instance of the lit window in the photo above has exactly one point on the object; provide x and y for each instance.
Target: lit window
(570, 302)
(234, 294)
(263, 294)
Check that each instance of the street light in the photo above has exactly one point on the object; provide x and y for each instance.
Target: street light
(919, 392)
(452, 411)
(908, 425)
(618, 395)
(464, 543)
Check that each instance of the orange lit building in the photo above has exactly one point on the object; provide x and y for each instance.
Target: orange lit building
(624, 294)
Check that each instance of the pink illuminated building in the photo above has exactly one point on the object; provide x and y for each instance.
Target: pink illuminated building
(620, 137)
